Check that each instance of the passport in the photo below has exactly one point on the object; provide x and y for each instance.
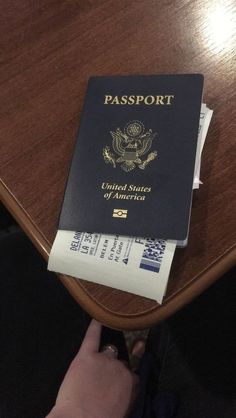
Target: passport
(133, 164)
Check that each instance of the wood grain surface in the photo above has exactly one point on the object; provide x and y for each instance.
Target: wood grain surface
(49, 49)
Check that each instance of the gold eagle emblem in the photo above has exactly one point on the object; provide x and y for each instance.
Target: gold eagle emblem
(129, 146)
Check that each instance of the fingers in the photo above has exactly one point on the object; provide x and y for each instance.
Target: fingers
(110, 351)
(92, 338)
(137, 353)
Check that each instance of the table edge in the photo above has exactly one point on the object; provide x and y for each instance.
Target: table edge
(104, 315)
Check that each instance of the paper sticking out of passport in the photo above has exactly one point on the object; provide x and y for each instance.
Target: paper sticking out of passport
(137, 265)
(133, 164)
(204, 123)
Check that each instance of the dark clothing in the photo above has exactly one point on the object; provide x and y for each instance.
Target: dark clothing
(190, 363)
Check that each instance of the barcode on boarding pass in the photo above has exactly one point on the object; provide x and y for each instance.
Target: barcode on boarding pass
(153, 254)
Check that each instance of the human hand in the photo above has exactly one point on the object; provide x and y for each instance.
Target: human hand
(96, 385)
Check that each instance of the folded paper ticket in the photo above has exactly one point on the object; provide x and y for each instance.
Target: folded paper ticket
(136, 265)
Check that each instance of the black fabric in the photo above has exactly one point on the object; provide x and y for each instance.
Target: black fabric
(196, 353)
(6, 219)
(41, 329)
(150, 403)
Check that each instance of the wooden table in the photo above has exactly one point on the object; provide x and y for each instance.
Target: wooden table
(48, 51)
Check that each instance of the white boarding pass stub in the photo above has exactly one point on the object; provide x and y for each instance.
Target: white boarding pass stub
(204, 123)
(137, 265)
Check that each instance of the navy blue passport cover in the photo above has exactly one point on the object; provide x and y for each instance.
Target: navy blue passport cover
(133, 164)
